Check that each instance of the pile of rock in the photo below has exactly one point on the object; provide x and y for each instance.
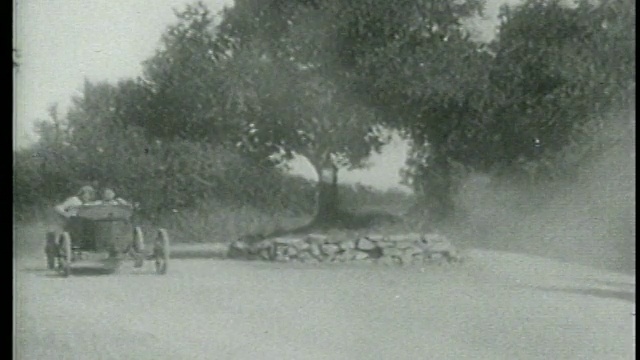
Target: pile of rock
(395, 249)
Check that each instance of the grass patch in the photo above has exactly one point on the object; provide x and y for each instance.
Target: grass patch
(369, 211)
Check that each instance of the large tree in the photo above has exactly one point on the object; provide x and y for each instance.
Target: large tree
(313, 78)
(416, 63)
(558, 72)
(186, 86)
(513, 105)
(294, 96)
(410, 63)
(293, 111)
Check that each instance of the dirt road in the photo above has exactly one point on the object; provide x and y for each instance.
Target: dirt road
(495, 306)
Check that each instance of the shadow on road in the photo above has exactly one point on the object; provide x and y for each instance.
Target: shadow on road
(198, 254)
(613, 283)
(629, 296)
(77, 271)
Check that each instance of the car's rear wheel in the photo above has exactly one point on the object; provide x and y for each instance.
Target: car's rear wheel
(50, 250)
(65, 254)
(162, 252)
(138, 247)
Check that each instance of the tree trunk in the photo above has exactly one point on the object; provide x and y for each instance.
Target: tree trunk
(327, 201)
(437, 190)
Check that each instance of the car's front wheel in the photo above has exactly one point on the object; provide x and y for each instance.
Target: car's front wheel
(50, 250)
(65, 254)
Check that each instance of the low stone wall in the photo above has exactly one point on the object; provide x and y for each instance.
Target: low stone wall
(402, 249)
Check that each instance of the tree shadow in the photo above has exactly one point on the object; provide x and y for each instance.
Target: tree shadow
(93, 271)
(613, 283)
(629, 296)
(198, 254)
(75, 271)
(34, 270)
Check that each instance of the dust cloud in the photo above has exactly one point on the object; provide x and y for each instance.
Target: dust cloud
(590, 220)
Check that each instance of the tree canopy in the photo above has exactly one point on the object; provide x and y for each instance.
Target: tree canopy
(325, 79)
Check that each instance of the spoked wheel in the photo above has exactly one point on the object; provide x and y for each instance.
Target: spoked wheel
(50, 250)
(161, 251)
(65, 254)
(138, 247)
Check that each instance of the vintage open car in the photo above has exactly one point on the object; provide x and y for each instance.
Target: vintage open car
(106, 234)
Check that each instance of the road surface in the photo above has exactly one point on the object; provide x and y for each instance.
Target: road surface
(494, 306)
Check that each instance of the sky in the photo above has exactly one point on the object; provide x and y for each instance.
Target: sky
(63, 42)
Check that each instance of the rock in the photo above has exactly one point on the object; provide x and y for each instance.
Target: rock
(407, 257)
(437, 243)
(374, 253)
(238, 249)
(359, 255)
(389, 260)
(330, 249)
(391, 251)
(291, 251)
(329, 258)
(302, 246)
(304, 256)
(365, 244)
(316, 238)
(405, 245)
(346, 255)
(263, 244)
(413, 250)
(375, 237)
(280, 250)
(400, 256)
(352, 255)
(385, 244)
(434, 238)
(314, 249)
(348, 245)
(280, 253)
(265, 254)
(399, 249)
(441, 246)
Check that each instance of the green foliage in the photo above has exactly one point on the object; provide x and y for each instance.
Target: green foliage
(556, 77)
(417, 65)
(184, 84)
(223, 101)
(542, 88)
(292, 94)
(27, 179)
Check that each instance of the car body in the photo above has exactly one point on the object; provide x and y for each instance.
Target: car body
(103, 233)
